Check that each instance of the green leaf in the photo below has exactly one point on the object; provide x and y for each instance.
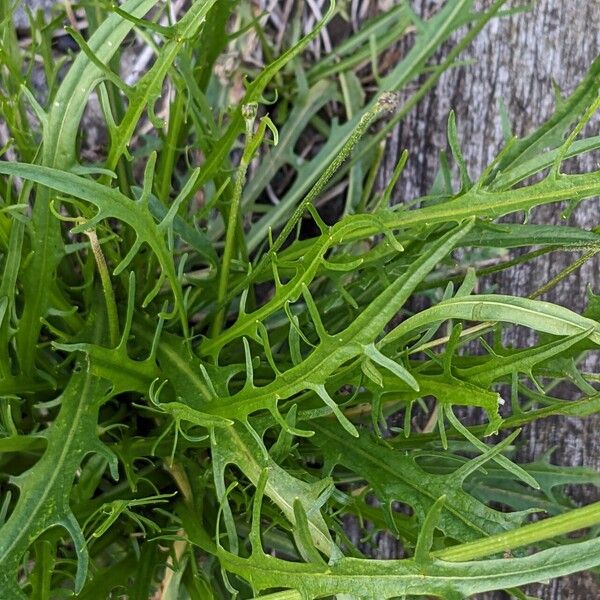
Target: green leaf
(395, 476)
(541, 316)
(111, 204)
(44, 489)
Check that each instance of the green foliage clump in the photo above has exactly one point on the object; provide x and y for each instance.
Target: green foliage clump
(198, 363)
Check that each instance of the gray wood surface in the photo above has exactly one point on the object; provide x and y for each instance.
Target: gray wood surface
(517, 59)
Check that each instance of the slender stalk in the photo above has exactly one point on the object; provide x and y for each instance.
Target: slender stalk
(249, 114)
(167, 156)
(109, 296)
(180, 546)
(564, 273)
(387, 101)
(573, 520)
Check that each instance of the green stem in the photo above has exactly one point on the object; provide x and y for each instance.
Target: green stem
(564, 273)
(503, 266)
(573, 520)
(109, 296)
(123, 168)
(371, 177)
(249, 112)
(167, 156)
(385, 103)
